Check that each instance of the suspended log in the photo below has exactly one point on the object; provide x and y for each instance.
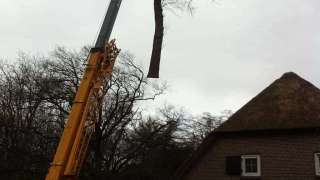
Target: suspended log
(157, 40)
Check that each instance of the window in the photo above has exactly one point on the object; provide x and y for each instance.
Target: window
(251, 165)
(317, 163)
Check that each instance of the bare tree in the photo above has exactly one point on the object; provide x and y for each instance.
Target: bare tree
(117, 113)
(28, 124)
(191, 129)
(37, 94)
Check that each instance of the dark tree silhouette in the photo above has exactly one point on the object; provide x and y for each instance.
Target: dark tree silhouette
(37, 94)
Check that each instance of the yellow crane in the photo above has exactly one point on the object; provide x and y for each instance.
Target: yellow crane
(71, 151)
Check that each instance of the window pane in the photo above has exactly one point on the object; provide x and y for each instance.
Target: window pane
(317, 163)
(251, 165)
(318, 159)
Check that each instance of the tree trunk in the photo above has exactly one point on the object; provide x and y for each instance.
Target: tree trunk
(157, 41)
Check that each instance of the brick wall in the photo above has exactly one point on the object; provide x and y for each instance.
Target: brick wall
(283, 156)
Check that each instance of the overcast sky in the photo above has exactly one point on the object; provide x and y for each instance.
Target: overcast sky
(217, 59)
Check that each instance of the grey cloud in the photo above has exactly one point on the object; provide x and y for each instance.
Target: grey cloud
(217, 59)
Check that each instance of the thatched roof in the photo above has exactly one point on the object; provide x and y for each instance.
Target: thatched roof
(290, 102)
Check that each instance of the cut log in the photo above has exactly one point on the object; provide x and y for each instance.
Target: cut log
(157, 40)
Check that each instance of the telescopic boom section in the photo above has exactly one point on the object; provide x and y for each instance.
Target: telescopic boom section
(108, 23)
(80, 125)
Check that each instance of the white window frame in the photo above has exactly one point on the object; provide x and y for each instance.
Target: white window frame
(243, 166)
(317, 163)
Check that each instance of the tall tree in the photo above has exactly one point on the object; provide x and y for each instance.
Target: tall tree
(37, 94)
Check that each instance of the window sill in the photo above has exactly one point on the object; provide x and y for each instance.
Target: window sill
(250, 177)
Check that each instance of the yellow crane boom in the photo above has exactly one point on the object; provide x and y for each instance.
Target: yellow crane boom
(80, 125)
(73, 144)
